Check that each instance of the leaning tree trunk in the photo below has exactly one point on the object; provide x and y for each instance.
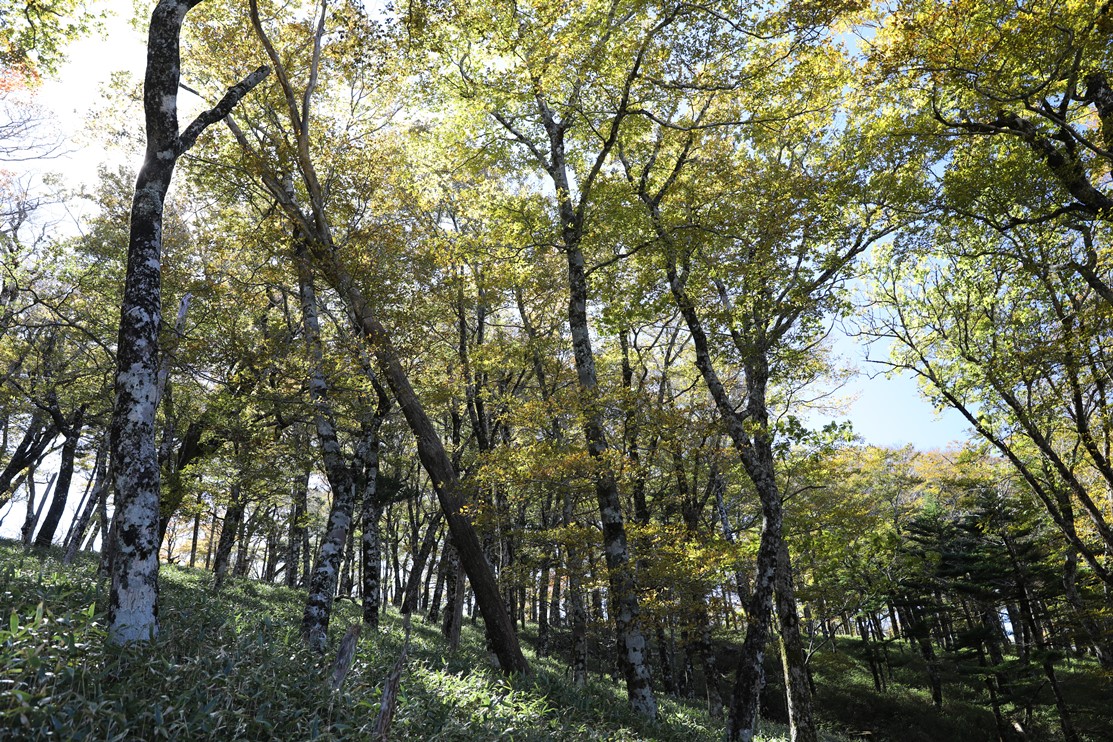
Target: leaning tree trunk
(65, 476)
(430, 449)
(100, 484)
(133, 599)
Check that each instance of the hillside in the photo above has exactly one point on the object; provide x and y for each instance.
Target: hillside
(230, 665)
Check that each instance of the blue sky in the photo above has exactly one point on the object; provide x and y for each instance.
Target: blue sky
(890, 410)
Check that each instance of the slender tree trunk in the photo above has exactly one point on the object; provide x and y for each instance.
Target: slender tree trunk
(542, 608)
(372, 555)
(296, 532)
(578, 619)
(322, 582)
(31, 519)
(244, 537)
(629, 637)
(433, 614)
(209, 541)
(87, 504)
(413, 582)
(371, 513)
(65, 476)
(196, 536)
(346, 584)
(96, 496)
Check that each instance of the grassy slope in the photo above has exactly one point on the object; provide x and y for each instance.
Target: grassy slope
(230, 665)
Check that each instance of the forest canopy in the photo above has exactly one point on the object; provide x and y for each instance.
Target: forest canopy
(536, 313)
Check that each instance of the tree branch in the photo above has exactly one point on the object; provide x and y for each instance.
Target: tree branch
(234, 95)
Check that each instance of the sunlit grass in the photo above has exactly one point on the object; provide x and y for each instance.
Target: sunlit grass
(230, 665)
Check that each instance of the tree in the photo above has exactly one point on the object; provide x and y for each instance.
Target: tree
(337, 249)
(133, 602)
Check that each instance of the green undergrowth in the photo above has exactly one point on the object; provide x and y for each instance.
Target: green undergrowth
(229, 665)
(847, 701)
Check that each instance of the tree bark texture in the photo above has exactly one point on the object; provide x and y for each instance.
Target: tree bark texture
(630, 639)
(371, 511)
(133, 598)
(323, 579)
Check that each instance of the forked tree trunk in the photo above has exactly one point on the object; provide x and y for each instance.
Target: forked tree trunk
(31, 519)
(133, 599)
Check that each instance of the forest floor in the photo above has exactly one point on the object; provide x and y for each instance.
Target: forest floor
(231, 665)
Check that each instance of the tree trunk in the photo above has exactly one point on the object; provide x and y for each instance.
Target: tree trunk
(413, 583)
(500, 631)
(229, 530)
(629, 638)
(344, 589)
(33, 511)
(299, 489)
(30, 451)
(793, 655)
(371, 513)
(454, 594)
(542, 609)
(65, 476)
(196, 536)
(100, 487)
(322, 582)
(245, 536)
(133, 599)
(86, 504)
